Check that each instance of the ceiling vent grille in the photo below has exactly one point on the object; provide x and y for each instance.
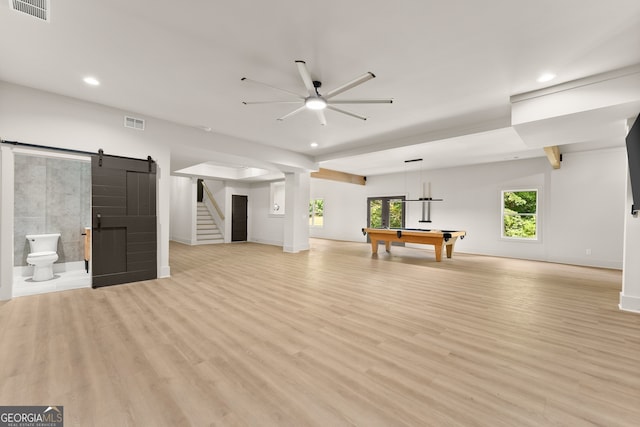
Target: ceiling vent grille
(133, 123)
(36, 8)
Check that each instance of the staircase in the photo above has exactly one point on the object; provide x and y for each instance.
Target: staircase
(207, 231)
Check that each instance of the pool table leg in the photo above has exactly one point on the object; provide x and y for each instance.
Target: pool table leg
(450, 247)
(374, 246)
(387, 245)
(438, 247)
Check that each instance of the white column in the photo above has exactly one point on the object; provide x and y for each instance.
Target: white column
(630, 295)
(296, 217)
(193, 210)
(6, 223)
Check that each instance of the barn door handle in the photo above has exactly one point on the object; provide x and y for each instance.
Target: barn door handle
(99, 221)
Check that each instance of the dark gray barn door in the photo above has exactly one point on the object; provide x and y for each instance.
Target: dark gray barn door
(238, 218)
(124, 244)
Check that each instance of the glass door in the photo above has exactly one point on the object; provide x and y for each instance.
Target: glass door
(385, 212)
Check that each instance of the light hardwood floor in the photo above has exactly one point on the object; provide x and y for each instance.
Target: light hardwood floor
(244, 334)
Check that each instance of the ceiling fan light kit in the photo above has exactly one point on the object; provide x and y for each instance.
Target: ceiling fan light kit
(317, 102)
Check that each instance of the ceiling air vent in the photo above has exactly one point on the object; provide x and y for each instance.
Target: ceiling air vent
(36, 8)
(133, 123)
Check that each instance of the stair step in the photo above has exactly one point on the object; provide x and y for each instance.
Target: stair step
(208, 236)
(207, 231)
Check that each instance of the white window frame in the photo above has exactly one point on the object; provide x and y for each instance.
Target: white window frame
(536, 214)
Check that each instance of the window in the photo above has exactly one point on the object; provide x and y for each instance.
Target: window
(316, 213)
(520, 214)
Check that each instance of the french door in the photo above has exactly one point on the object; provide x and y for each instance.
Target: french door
(385, 212)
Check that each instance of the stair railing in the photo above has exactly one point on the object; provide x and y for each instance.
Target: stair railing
(213, 201)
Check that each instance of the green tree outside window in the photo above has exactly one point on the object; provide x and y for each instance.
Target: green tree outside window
(519, 214)
(316, 213)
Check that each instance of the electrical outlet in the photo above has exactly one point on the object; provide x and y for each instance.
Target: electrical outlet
(588, 251)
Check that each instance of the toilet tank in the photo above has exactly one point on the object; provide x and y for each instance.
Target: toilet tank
(43, 242)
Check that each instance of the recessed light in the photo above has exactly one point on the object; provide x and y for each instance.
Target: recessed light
(314, 144)
(545, 77)
(92, 81)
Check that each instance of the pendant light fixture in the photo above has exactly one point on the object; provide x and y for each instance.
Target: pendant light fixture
(426, 198)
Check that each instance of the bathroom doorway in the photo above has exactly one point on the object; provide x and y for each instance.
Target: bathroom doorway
(52, 194)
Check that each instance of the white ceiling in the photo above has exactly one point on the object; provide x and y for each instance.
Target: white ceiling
(450, 67)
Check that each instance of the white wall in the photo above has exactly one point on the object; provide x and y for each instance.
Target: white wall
(345, 209)
(37, 117)
(587, 194)
(182, 207)
(587, 209)
(265, 227)
(630, 295)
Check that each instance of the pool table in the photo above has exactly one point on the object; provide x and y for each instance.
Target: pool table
(437, 238)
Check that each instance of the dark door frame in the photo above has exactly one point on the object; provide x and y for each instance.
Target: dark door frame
(385, 213)
(239, 218)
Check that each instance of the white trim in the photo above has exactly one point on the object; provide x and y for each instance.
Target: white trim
(165, 271)
(537, 239)
(629, 303)
(6, 222)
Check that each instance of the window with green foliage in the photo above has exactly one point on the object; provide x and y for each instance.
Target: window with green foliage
(316, 213)
(520, 214)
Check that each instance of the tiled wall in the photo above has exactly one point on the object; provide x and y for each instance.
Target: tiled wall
(52, 195)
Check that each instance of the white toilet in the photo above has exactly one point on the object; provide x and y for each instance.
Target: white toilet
(43, 255)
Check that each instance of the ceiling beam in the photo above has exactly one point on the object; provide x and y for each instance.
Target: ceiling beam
(339, 176)
(554, 156)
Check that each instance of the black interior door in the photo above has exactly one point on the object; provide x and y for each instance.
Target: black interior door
(238, 218)
(124, 241)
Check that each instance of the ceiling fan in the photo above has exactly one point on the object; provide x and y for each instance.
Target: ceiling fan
(316, 101)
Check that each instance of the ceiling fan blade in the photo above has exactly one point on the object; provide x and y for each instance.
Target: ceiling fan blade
(306, 77)
(321, 117)
(357, 116)
(297, 95)
(353, 83)
(362, 101)
(296, 111)
(270, 102)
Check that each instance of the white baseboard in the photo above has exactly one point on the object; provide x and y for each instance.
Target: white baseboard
(629, 303)
(183, 241)
(266, 242)
(165, 271)
(295, 250)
